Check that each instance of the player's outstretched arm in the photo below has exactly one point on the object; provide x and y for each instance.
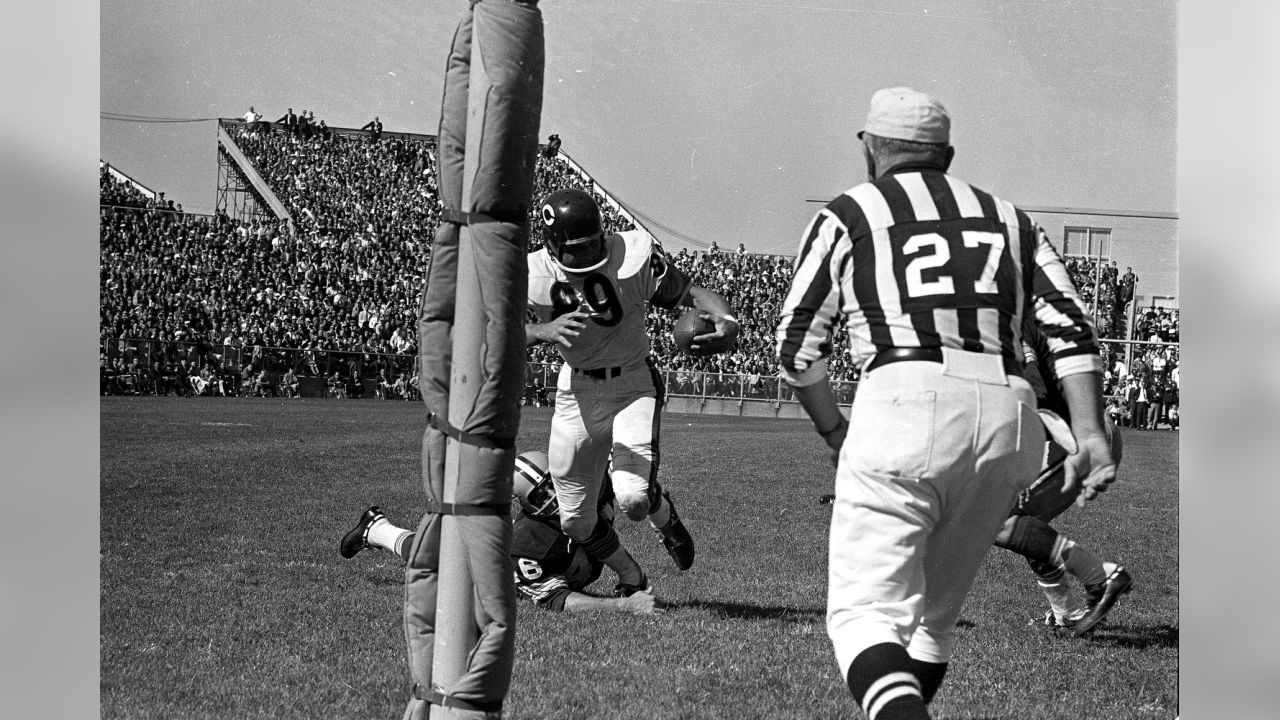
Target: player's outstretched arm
(560, 331)
(641, 603)
(1092, 466)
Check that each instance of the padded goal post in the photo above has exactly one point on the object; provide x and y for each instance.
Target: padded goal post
(459, 613)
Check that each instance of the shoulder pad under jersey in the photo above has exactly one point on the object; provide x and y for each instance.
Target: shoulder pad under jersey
(637, 247)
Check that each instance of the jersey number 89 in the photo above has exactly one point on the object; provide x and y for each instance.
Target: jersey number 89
(598, 295)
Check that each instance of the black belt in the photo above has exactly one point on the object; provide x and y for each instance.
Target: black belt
(600, 373)
(884, 357)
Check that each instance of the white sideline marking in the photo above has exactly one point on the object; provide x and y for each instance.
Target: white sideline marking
(214, 424)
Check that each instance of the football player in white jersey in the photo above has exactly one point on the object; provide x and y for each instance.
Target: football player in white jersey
(588, 294)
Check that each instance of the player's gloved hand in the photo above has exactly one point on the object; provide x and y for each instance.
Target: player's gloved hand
(641, 603)
(1092, 467)
(562, 330)
(727, 326)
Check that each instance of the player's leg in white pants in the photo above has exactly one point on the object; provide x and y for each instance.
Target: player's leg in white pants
(577, 455)
(635, 454)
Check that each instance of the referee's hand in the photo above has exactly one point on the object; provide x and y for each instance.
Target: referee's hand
(1092, 467)
(834, 439)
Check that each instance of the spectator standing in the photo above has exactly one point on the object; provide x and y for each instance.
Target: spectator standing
(1116, 411)
(290, 122)
(552, 148)
(1121, 373)
(1141, 369)
(374, 127)
(355, 385)
(1136, 397)
(1171, 410)
(1128, 282)
(1155, 403)
(252, 118)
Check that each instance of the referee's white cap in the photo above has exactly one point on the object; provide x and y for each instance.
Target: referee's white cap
(905, 114)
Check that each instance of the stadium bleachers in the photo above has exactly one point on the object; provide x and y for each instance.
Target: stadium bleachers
(344, 276)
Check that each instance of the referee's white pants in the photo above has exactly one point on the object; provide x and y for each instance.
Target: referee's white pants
(934, 459)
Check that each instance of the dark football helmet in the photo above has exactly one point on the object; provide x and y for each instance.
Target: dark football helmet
(573, 232)
(531, 484)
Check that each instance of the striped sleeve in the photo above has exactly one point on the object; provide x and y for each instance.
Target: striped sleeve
(804, 327)
(548, 591)
(1059, 313)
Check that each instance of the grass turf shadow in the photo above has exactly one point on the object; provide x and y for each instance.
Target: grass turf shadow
(740, 611)
(1138, 637)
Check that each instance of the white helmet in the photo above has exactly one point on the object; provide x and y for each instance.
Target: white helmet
(531, 484)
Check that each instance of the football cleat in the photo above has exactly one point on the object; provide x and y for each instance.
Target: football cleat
(1103, 598)
(356, 538)
(676, 538)
(627, 590)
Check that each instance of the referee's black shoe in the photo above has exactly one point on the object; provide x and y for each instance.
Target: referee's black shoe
(676, 538)
(357, 538)
(1103, 598)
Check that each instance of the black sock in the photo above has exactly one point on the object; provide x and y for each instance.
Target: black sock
(930, 675)
(883, 681)
(405, 544)
(603, 541)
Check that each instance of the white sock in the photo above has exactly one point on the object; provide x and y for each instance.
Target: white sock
(1065, 605)
(382, 534)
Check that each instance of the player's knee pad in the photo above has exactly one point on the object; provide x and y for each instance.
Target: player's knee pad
(635, 507)
(634, 483)
(1030, 537)
(603, 540)
(637, 502)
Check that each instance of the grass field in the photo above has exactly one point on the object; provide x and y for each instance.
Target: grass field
(223, 595)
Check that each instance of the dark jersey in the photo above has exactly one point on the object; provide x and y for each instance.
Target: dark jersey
(548, 564)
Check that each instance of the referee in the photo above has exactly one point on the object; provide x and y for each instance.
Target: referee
(935, 278)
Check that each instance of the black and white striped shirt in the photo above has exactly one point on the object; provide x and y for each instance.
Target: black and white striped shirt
(917, 258)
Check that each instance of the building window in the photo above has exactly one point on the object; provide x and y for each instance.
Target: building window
(1087, 242)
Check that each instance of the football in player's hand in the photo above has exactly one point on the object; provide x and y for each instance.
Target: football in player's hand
(691, 325)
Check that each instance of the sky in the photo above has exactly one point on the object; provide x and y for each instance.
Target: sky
(725, 121)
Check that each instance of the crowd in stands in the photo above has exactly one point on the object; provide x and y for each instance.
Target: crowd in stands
(345, 274)
(118, 192)
(1145, 395)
